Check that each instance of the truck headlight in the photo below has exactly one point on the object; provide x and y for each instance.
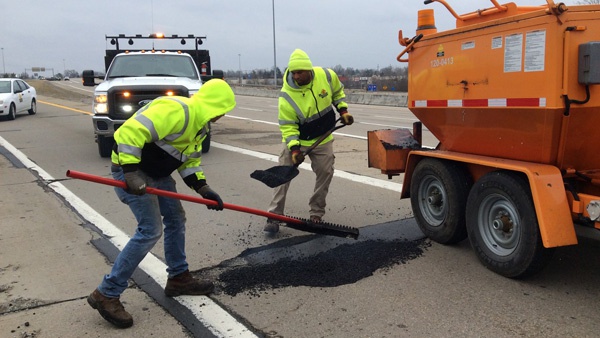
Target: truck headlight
(100, 104)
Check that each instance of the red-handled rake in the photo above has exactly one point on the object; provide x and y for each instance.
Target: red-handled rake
(321, 228)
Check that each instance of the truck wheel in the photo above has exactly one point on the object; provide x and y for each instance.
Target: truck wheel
(438, 195)
(105, 145)
(206, 144)
(502, 225)
(33, 108)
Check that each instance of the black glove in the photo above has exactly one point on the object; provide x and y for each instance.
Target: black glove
(136, 184)
(206, 192)
(347, 119)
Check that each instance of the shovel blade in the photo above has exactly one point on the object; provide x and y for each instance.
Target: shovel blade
(276, 176)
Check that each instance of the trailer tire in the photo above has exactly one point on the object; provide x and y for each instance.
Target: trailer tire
(502, 225)
(105, 145)
(438, 195)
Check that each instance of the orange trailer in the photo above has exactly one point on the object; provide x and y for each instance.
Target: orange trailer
(512, 95)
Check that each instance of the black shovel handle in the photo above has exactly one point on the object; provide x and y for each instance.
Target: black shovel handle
(322, 137)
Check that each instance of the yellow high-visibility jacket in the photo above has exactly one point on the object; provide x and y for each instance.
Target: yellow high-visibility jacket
(306, 112)
(167, 134)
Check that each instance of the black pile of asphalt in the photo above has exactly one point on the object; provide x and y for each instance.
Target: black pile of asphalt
(344, 264)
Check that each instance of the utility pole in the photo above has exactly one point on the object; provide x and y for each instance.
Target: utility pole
(3, 67)
(240, 65)
(274, 48)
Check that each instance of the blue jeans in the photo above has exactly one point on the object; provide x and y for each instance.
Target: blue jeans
(148, 210)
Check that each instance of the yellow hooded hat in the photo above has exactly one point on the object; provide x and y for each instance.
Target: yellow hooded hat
(299, 61)
(217, 97)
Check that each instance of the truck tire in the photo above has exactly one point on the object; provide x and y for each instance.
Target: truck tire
(502, 225)
(438, 195)
(105, 145)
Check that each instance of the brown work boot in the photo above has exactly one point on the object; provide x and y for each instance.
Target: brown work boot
(110, 309)
(185, 284)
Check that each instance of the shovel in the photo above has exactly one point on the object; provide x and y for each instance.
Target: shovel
(281, 174)
(321, 228)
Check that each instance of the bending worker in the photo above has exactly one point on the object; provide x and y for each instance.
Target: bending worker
(306, 111)
(163, 136)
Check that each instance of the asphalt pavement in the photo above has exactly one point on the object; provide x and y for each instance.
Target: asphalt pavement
(49, 265)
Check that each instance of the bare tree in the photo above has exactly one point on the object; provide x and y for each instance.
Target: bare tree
(588, 2)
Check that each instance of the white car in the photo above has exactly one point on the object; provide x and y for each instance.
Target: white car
(16, 96)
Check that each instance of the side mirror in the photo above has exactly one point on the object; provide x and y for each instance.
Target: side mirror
(88, 78)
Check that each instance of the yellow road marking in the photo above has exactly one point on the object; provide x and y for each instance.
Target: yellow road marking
(65, 107)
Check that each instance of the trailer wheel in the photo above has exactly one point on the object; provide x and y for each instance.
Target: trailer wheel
(502, 226)
(438, 195)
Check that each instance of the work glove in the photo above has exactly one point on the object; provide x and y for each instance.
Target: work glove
(136, 184)
(297, 157)
(206, 192)
(347, 119)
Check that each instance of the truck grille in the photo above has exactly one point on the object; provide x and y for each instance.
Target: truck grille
(124, 101)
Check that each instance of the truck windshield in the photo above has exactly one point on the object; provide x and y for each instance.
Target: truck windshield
(152, 65)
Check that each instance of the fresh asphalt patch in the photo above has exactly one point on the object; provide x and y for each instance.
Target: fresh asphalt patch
(319, 261)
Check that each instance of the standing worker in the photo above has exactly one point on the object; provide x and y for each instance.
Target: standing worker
(306, 112)
(161, 137)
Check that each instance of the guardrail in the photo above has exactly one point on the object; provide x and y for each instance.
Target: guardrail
(394, 99)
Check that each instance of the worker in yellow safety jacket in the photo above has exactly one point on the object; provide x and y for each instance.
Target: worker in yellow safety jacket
(163, 136)
(306, 111)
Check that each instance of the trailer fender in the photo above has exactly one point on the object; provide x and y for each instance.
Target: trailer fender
(546, 183)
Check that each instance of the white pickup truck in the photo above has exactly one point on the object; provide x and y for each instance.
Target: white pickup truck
(134, 78)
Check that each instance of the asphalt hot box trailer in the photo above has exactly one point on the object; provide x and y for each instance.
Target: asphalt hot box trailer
(512, 96)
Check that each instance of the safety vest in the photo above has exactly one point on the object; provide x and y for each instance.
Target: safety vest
(306, 112)
(163, 136)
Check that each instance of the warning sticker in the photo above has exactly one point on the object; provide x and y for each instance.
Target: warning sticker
(467, 45)
(496, 42)
(513, 53)
(535, 50)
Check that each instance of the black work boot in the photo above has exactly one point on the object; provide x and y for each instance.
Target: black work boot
(185, 284)
(110, 309)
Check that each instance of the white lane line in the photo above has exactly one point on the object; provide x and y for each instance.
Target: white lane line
(276, 124)
(78, 88)
(338, 173)
(253, 120)
(215, 318)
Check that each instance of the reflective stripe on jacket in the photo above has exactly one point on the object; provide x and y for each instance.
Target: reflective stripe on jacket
(306, 112)
(168, 135)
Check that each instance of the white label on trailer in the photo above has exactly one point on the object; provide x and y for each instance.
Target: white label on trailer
(496, 42)
(535, 50)
(513, 53)
(467, 45)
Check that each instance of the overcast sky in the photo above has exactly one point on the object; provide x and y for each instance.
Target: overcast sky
(70, 34)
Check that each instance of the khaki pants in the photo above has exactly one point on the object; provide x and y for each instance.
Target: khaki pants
(322, 160)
